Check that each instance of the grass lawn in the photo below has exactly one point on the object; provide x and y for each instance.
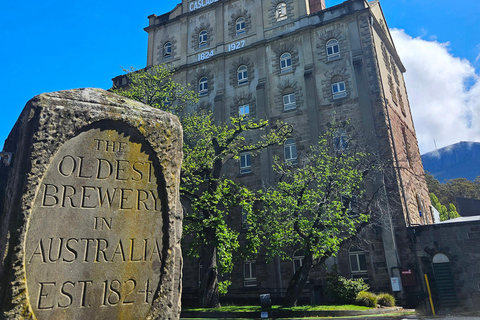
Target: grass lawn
(258, 308)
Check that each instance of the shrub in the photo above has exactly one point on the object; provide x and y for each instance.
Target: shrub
(386, 300)
(343, 290)
(366, 299)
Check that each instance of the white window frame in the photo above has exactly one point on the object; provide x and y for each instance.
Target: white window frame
(289, 101)
(290, 151)
(250, 273)
(359, 257)
(339, 90)
(242, 74)
(167, 50)
(333, 49)
(240, 25)
(245, 163)
(285, 62)
(244, 111)
(202, 38)
(203, 86)
(281, 11)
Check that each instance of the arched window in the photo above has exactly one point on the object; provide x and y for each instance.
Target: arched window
(240, 25)
(290, 150)
(340, 140)
(202, 38)
(281, 11)
(338, 88)
(203, 86)
(358, 262)
(333, 49)
(242, 74)
(285, 62)
(167, 50)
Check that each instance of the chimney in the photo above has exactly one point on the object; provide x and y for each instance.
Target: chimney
(316, 5)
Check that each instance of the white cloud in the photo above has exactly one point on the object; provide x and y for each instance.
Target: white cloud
(443, 90)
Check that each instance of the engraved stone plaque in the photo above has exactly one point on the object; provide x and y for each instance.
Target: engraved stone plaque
(94, 240)
(90, 212)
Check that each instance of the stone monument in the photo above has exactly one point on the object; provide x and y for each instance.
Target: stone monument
(90, 211)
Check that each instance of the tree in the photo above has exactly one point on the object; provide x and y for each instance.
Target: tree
(155, 87)
(207, 196)
(445, 214)
(316, 206)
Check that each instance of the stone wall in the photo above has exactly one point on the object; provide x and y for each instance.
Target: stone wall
(459, 242)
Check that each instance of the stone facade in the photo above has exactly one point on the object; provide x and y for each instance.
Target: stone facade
(90, 214)
(449, 254)
(306, 65)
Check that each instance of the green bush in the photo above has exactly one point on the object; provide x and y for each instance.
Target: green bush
(366, 299)
(386, 300)
(342, 290)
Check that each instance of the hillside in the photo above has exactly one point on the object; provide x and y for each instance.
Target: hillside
(459, 160)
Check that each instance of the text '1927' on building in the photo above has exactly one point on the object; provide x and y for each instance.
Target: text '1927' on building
(305, 64)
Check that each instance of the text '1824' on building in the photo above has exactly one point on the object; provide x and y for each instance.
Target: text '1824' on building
(305, 64)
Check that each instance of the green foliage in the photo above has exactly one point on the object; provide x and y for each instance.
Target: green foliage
(448, 191)
(307, 209)
(210, 196)
(155, 87)
(445, 214)
(386, 300)
(342, 290)
(223, 287)
(367, 299)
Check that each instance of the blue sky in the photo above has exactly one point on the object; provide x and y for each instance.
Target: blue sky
(56, 45)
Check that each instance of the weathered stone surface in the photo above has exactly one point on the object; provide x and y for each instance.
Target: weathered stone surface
(91, 220)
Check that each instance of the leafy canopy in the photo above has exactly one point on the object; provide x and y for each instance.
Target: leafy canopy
(155, 87)
(313, 207)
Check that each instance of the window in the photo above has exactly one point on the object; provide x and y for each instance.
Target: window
(400, 101)
(285, 62)
(297, 261)
(392, 90)
(249, 274)
(407, 148)
(240, 25)
(281, 11)
(333, 49)
(289, 101)
(245, 163)
(244, 112)
(202, 38)
(340, 140)
(203, 86)
(338, 90)
(242, 74)
(167, 50)
(358, 263)
(290, 151)
(350, 205)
